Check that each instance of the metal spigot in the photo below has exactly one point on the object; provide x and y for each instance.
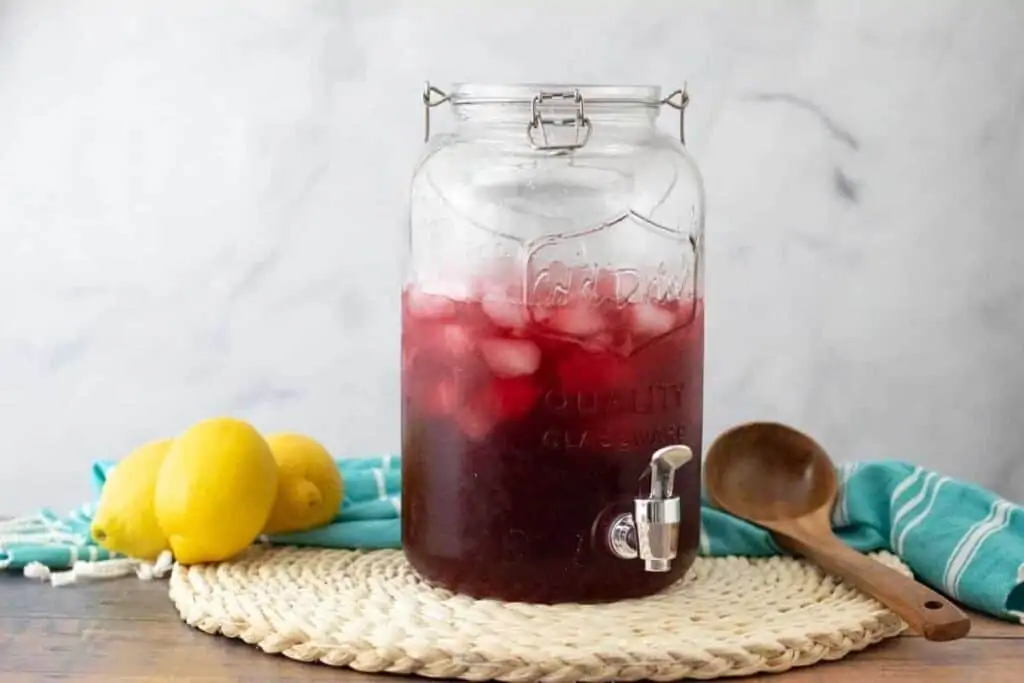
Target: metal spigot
(652, 531)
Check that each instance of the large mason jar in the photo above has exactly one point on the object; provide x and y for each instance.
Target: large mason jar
(552, 345)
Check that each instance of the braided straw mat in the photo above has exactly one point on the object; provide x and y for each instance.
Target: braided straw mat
(370, 612)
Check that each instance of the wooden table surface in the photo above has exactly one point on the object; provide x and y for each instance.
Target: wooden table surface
(127, 630)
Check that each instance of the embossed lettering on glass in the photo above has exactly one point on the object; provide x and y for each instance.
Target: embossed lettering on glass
(553, 344)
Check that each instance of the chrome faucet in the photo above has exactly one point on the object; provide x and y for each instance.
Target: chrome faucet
(651, 532)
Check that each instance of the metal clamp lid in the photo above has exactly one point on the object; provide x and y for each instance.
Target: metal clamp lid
(677, 99)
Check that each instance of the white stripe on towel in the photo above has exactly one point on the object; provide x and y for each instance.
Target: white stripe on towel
(841, 514)
(901, 541)
(382, 489)
(998, 518)
(952, 564)
(906, 484)
(909, 507)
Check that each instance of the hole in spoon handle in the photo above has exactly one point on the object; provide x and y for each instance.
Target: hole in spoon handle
(943, 621)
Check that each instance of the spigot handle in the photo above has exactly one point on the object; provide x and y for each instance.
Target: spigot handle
(651, 533)
(664, 464)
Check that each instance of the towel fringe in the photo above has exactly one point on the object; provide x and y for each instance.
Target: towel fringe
(103, 569)
(37, 570)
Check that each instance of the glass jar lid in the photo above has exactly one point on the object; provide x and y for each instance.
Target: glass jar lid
(556, 105)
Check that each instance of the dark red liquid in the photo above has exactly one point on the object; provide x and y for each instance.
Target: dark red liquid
(526, 430)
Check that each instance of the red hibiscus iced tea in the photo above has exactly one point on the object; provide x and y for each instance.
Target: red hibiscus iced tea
(526, 429)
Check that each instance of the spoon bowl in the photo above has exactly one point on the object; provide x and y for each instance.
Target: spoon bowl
(781, 479)
(794, 475)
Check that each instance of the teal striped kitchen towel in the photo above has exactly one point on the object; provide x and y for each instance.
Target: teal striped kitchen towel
(959, 538)
(368, 519)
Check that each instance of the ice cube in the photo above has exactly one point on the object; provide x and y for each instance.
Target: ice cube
(507, 314)
(455, 339)
(475, 422)
(511, 357)
(442, 398)
(424, 305)
(606, 285)
(541, 314)
(578, 320)
(440, 344)
(602, 342)
(502, 399)
(649, 320)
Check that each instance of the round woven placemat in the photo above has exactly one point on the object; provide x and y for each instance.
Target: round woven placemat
(369, 611)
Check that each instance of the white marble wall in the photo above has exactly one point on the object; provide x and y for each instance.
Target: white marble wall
(201, 211)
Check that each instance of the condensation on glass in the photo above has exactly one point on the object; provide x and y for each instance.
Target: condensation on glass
(553, 344)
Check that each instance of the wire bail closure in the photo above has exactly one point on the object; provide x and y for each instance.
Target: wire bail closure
(677, 99)
(539, 123)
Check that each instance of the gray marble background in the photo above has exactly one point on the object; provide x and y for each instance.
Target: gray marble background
(201, 210)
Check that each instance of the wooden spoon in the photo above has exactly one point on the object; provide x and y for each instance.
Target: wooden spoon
(780, 479)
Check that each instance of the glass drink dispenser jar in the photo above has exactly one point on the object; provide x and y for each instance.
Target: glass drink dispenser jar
(553, 345)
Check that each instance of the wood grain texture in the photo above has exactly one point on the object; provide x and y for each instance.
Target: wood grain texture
(781, 479)
(126, 630)
(927, 612)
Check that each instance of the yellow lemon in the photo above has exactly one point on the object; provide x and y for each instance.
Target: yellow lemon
(309, 487)
(125, 521)
(215, 490)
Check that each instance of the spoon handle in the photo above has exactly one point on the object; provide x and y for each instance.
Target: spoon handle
(924, 610)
